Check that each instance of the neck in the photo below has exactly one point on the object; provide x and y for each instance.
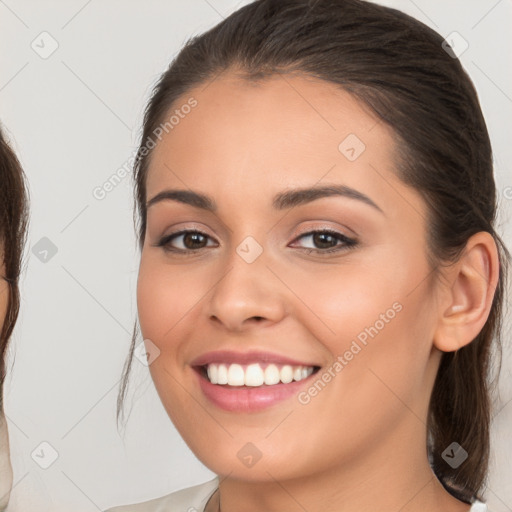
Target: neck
(387, 477)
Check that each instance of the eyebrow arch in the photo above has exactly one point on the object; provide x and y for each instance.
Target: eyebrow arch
(282, 201)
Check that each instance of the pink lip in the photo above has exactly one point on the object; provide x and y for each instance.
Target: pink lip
(249, 399)
(246, 398)
(230, 357)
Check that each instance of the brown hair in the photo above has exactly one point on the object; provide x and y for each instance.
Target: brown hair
(13, 225)
(396, 66)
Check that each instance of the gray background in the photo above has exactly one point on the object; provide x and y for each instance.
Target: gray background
(74, 119)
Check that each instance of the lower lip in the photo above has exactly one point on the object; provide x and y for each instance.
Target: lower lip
(246, 398)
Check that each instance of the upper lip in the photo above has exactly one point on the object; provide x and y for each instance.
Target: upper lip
(254, 356)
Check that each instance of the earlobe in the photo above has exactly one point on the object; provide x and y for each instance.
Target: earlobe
(468, 295)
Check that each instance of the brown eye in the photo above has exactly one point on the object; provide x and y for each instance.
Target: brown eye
(191, 240)
(327, 241)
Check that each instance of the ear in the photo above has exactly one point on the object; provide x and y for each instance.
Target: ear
(467, 296)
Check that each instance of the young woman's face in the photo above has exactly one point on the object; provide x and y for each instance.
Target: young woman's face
(259, 289)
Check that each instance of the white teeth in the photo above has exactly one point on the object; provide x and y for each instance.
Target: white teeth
(236, 375)
(213, 372)
(253, 375)
(222, 375)
(272, 375)
(286, 374)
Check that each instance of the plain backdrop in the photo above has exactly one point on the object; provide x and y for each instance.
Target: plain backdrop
(75, 76)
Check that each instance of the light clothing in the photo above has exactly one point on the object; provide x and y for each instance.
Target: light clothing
(194, 499)
(5, 464)
(191, 499)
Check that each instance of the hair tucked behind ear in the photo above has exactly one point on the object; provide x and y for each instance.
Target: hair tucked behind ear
(396, 66)
(13, 224)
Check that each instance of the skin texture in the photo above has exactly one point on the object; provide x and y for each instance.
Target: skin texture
(5, 463)
(360, 444)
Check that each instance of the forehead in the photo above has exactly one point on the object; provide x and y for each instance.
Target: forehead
(287, 130)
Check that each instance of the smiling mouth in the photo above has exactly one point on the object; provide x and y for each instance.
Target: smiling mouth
(254, 374)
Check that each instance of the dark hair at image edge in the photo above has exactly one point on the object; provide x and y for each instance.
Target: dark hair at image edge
(13, 227)
(396, 66)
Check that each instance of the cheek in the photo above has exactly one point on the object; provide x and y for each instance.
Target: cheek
(375, 317)
(165, 297)
(386, 358)
(343, 304)
(164, 301)
(380, 353)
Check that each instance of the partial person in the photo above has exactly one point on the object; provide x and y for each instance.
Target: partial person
(13, 226)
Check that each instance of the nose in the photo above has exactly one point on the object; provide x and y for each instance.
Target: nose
(246, 294)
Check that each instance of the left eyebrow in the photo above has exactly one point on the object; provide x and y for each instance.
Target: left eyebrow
(281, 201)
(296, 197)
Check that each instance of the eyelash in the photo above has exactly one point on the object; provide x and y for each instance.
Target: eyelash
(348, 243)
